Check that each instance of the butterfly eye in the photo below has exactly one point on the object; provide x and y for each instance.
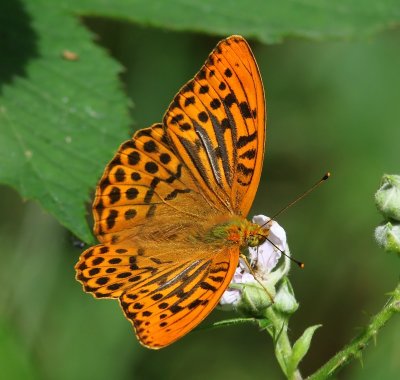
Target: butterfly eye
(253, 240)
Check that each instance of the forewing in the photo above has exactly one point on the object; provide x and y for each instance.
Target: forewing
(163, 300)
(217, 126)
(144, 184)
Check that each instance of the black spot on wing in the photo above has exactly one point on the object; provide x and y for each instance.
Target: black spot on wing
(244, 140)
(114, 195)
(111, 219)
(173, 194)
(249, 154)
(245, 110)
(190, 100)
(230, 99)
(120, 175)
(244, 170)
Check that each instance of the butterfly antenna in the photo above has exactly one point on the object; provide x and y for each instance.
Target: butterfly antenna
(299, 263)
(312, 188)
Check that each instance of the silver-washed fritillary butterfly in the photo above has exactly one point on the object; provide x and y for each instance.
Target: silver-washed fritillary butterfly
(170, 209)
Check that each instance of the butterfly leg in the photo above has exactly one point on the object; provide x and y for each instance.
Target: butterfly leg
(246, 261)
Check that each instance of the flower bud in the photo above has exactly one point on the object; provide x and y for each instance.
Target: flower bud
(256, 298)
(284, 300)
(387, 198)
(388, 237)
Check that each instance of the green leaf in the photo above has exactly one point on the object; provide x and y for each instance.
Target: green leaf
(60, 119)
(300, 349)
(228, 322)
(268, 21)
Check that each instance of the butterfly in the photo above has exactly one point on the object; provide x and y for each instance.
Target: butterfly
(170, 209)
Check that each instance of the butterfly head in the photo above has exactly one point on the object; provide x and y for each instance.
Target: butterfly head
(256, 235)
(247, 234)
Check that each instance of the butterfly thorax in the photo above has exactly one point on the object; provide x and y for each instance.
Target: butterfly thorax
(240, 231)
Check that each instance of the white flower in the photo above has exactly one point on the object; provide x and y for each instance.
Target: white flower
(263, 259)
(266, 256)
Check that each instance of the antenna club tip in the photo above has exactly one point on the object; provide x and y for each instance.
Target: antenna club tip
(326, 176)
(299, 263)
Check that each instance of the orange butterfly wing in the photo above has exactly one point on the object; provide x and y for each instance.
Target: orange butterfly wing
(163, 299)
(162, 192)
(145, 180)
(222, 111)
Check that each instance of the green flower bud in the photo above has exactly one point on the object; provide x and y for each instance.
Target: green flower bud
(387, 198)
(388, 237)
(285, 302)
(256, 298)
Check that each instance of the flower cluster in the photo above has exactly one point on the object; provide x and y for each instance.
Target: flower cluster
(252, 291)
(387, 200)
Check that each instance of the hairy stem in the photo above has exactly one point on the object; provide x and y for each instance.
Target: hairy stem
(354, 348)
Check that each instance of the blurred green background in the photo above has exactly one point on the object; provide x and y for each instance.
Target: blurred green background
(331, 106)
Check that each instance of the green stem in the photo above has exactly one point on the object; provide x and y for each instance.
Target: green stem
(283, 349)
(278, 327)
(354, 348)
